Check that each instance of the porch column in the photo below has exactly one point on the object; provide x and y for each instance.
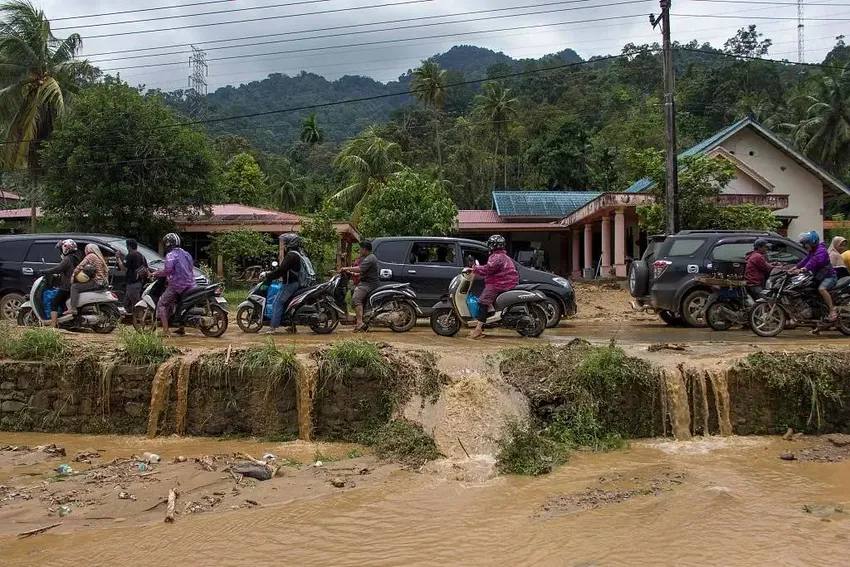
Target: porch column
(588, 246)
(620, 242)
(219, 267)
(606, 245)
(576, 260)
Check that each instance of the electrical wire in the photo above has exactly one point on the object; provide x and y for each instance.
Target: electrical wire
(121, 12)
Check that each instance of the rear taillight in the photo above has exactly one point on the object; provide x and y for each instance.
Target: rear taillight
(659, 267)
(219, 290)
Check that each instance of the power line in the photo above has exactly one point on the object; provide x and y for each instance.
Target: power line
(348, 26)
(267, 18)
(753, 58)
(722, 16)
(172, 7)
(769, 3)
(387, 41)
(197, 14)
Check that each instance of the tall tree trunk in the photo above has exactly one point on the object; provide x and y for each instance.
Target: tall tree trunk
(437, 142)
(506, 167)
(496, 161)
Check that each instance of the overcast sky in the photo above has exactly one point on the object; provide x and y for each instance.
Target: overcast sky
(515, 36)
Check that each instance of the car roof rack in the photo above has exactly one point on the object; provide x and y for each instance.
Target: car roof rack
(744, 232)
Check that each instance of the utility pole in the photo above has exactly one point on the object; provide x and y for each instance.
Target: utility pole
(672, 198)
(801, 33)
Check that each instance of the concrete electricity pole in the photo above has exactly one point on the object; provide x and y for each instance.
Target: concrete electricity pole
(672, 199)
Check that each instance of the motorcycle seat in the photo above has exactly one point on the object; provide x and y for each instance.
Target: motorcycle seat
(510, 297)
(192, 294)
(528, 286)
(842, 284)
(384, 287)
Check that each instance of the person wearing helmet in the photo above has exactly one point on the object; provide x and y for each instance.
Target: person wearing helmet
(367, 270)
(289, 271)
(758, 268)
(180, 273)
(499, 275)
(65, 270)
(818, 264)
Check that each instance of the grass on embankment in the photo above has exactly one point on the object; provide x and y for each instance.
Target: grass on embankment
(143, 347)
(32, 344)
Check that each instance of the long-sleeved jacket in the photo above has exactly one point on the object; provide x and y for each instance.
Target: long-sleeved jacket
(499, 272)
(65, 270)
(817, 262)
(178, 269)
(757, 269)
(101, 270)
(287, 270)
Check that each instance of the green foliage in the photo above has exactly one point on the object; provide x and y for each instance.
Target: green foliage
(277, 363)
(244, 182)
(241, 245)
(311, 132)
(405, 442)
(409, 204)
(346, 360)
(524, 451)
(120, 164)
(32, 344)
(144, 347)
(368, 160)
(320, 241)
(748, 42)
(747, 217)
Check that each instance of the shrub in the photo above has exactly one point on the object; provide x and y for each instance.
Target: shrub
(404, 441)
(344, 360)
(144, 347)
(524, 451)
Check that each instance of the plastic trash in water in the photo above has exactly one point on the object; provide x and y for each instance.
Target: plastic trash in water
(269, 457)
(142, 467)
(318, 464)
(151, 458)
(64, 469)
(63, 511)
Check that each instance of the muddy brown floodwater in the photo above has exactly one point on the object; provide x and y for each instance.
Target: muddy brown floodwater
(715, 501)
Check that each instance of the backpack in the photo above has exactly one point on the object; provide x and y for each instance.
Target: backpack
(306, 275)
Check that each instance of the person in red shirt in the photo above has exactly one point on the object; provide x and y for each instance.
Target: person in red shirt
(758, 268)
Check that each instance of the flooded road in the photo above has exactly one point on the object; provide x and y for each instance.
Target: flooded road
(709, 502)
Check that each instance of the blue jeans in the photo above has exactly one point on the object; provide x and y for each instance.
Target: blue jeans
(280, 302)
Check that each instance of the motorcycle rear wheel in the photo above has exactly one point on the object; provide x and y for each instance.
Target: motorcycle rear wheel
(28, 318)
(248, 320)
(144, 320)
(408, 314)
(219, 326)
(843, 321)
(715, 319)
(445, 322)
(767, 320)
(331, 320)
(533, 323)
(109, 316)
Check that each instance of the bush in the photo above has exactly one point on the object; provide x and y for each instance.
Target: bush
(241, 246)
(525, 451)
(144, 347)
(405, 442)
(320, 241)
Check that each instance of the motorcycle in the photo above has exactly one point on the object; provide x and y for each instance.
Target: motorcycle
(391, 305)
(313, 306)
(728, 305)
(99, 310)
(795, 297)
(521, 308)
(201, 308)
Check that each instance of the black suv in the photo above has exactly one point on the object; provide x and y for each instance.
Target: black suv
(22, 256)
(664, 279)
(428, 264)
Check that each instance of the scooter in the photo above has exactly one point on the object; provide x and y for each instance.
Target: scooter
(313, 306)
(391, 305)
(520, 308)
(201, 308)
(99, 310)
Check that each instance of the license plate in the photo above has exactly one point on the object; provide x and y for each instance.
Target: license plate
(221, 300)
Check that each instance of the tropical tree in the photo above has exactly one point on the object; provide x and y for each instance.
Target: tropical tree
(429, 88)
(311, 132)
(369, 160)
(825, 134)
(285, 184)
(38, 74)
(497, 106)
(244, 182)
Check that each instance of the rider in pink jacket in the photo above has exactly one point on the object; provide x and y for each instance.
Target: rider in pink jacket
(499, 274)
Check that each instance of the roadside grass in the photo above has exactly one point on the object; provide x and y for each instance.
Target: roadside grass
(235, 296)
(405, 442)
(525, 451)
(346, 360)
(144, 347)
(32, 344)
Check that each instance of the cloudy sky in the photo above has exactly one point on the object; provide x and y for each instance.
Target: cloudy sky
(327, 37)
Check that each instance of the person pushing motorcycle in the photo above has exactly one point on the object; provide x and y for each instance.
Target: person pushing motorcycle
(499, 275)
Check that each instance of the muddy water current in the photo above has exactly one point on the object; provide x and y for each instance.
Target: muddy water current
(708, 501)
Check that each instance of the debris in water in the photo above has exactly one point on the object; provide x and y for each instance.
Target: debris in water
(338, 482)
(667, 346)
(207, 463)
(151, 458)
(839, 440)
(63, 511)
(789, 435)
(269, 457)
(86, 456)
(252, 503)
(64, 469)
(169, 509)
(253, 469)
(788, 456)
(318, 464)
(51, 449)
(126, 496)
(180, 459)
(38, 530)
(142, 467)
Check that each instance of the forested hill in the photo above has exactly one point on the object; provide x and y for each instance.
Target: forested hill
(275, 133)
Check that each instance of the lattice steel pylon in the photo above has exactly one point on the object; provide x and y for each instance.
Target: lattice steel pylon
(801, 34)
(198, 73)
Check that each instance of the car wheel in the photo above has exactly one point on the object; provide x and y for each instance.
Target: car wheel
(552, 307)
(669, 318)
(693, 308)
(9, 305)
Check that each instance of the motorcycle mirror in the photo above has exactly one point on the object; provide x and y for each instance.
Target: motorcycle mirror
(476, 263)
(274, 264)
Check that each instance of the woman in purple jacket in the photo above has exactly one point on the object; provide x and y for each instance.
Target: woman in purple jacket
(817, 263)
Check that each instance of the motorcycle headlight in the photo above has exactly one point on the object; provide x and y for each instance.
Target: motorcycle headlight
(563, 282)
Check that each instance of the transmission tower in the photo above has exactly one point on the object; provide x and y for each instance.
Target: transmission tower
(801, 34)
(198, 72)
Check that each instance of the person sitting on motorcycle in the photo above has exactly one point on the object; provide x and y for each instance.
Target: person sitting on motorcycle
(836, 249)
(180, 273)
(758, 268)
(289, 271)
(818, 264)
(499, 274)
(65, 270)
(367, 269)
(96, 275)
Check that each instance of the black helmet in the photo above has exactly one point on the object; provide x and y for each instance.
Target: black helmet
(760, 243)
(496, 242)
(171, 240)
(291, 240)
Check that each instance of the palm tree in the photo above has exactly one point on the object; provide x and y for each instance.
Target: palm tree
(286, 185)
(498, 108)
(311, 133)
(369, 159)
(429, 88)
(38, 73)
(825, 134)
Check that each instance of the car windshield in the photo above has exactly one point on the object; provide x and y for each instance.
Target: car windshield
(151, 256)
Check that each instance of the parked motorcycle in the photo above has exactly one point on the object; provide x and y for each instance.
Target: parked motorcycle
(98, 310)
(728, 305)
(314, 307)
(794, 297)
(391, 305)
(521, 308)
(200, 308)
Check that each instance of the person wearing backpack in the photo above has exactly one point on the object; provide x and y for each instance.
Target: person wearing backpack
(295, 271)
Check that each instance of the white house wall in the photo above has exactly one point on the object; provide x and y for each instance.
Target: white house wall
(804, 190)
